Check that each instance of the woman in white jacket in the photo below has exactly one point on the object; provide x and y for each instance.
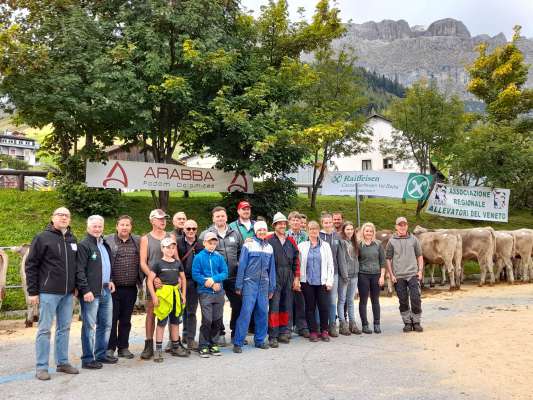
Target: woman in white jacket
(316, 277)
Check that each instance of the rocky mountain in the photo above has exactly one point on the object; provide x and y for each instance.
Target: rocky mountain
(406, 54)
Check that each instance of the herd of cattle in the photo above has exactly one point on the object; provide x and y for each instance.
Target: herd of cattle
(510, 251)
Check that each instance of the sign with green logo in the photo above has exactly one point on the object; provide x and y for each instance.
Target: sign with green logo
(378, 183)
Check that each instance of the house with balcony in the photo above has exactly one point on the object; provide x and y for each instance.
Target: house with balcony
(17, 145)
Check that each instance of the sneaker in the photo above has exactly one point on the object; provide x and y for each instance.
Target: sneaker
(273, 343)
(215, 350)
(366, 330)
(263, 346)
(284, 338)
(237, 349)
(125, 353)
(42, 375)
(158, 356)
(333, 330)
(92, 365)
(204, 353)
(67, 369)
(313, 337)
(417, 327)
(408, 328)
(325, 336)
(148, 351)
(222, 341)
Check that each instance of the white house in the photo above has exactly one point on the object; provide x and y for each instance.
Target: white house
(17, 145)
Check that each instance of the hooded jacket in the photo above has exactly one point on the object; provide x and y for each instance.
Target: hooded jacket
(349, 267)
(208, 265)
(403, 251)
(51, 262)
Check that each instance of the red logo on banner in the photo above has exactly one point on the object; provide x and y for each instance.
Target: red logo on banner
(116, 174)
(239, 183)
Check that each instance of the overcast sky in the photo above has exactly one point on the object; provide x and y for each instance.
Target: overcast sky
(479, 16)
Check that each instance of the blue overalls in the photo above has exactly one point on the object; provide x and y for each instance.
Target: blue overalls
(256, 279)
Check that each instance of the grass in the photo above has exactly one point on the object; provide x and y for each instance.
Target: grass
(23, 214)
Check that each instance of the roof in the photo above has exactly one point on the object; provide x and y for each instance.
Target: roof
(376, 115)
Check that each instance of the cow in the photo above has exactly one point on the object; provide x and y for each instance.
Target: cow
(478, 244)
(505, 250)
(4, 264)
(523, 239)
(383, 236)
(443, 248)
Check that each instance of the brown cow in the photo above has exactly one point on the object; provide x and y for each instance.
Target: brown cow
(524, 250)
(505, 250)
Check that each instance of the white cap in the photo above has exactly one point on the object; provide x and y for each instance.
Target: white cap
(165, 242)
(279, 217)
(260, 225)
(158, 213)
(210, 236)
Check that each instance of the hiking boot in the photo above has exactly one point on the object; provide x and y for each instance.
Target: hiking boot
(42, 375)
(333, 330)
(408, 328)
(417, 327)
(284, 338)
(148, 351)
(344, 330)
(92, 365)
(377, 328)
(354, 329)
(222, 341)
(325, 336)
(158, 356)
(366, 330)
(108, 360)
(192, 345)
(67, 369)
(274, 343)
(215, 351)
(125, 353)
(304, 332)
(313, 337)
(168, 347)
(204, 352)
(263, 346)
(180, 351)
(237, 349)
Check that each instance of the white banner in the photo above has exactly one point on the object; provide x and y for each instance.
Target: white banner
(151, 176)
(378, 183)
(465, 202)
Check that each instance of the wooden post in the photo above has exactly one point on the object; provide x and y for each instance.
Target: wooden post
(21, 182)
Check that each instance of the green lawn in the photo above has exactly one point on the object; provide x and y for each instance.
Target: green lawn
(23, 214)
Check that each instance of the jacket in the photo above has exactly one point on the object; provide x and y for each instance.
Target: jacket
(208, 265)
(257, 268)
(286, 255)
(403, 251)
(229, 247)
(333, 240)
(89, 266)
(349, 267)
(245, 233)
(166, 295)
(327, 271)
(51, 263)
(111, 241)
(183, 250)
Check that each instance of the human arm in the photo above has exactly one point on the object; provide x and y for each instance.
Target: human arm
(271, 276)
(151, 288)
(389, 254)
(183, 282)
(330, 268)
(382, 265)
(296, 265)
(222, 270)
(342, 260)
(82, 258)
(33, 263)
(243, 263)
(420, 260)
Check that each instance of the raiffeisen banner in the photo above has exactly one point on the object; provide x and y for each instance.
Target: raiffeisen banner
(118, 174)
(377, 183)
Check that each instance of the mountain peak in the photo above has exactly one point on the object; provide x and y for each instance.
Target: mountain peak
(448, 27)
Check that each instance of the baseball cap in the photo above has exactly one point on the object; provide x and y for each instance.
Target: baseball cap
(243, 204)
(210, 236)
(158, 213)
(165, 242)
(399, 220)
(279, 217)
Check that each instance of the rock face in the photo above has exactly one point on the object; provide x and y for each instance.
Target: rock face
(441, 52)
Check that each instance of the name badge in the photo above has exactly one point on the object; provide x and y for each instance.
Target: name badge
(232, 239)
(74, 246)
(93, 256)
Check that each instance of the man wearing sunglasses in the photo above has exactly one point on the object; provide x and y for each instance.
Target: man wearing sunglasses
(188, 247)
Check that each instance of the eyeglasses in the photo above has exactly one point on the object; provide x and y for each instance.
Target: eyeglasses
(190, 229)
(62, 215)
(170, 246)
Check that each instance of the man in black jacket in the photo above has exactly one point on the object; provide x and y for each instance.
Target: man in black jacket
(125, 275)
(51, 277)
(95, 285)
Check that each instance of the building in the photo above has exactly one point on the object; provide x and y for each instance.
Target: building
(17, 145)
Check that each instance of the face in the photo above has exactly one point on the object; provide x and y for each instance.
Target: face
(61, 218)
(337, 220)
(349, 231)
(159, 223)
(190, 228)
(179, 220)
(168, 251)
(220, 218)
(95, 228)
(368, 233)
(401, 228)
(280, 227)
(261, 233)
(303, 223)
(295, 223)
(327, 224)
(313, 232)
(245, 213)
(124, 227)
(210, 245)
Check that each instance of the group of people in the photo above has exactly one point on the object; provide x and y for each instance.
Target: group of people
(301, 276)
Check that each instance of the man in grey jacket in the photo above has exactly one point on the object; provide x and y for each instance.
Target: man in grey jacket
(406, 269)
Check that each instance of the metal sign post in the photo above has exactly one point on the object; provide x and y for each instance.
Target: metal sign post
(357, 205)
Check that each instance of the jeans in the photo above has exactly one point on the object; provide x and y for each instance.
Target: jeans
(212, 306)
(333, 293)
(60, 307)
(124, 300)
(408, 291)
(316, 296)
(347, 291)
(96, 329)
(368, 284)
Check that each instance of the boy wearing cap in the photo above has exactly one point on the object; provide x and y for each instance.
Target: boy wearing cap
(256, 282)
(244, 225)
(405, 264)
(168, 301)
(210, 270)
(287, 280)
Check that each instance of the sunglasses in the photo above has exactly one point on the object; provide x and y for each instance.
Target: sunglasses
(190, 229)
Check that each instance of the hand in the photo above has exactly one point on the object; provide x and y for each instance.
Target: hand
(33, 300)
(209, 282)
(381, 281)
(393, 278)
(420, 275)
(248, 240)
(296, 285)
(216, 287)
(112, 287)
(75, 293)
(270, 295)
(238, 291)
(328, 287)
(157, 283)
(88, 297)
(155, 301)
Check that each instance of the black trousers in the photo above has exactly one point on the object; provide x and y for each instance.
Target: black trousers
(368, 285)
(316, 296)
(124, 299)
(189, 317)
(408, 291)
(212, 306)
(280, 305)
(298, 318)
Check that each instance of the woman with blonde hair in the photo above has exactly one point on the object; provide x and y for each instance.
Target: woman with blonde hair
(372, 265)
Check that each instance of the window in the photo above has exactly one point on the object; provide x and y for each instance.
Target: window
(387, 163)
(366, 165)
(20, 157)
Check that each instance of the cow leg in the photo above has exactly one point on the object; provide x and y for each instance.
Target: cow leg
(525, 268)
(499, 269)
(458, 275)
(432, 276)
(509, 268)
(443, 271)
(482, 272)
(490, 267)
(451, 272)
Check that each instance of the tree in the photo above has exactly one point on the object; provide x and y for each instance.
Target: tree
(426, 124)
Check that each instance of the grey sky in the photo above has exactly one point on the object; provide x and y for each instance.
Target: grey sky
(479, 16)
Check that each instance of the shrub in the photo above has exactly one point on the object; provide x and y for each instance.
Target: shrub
(86, 201)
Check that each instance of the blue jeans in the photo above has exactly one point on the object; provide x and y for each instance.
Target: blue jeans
(333, 300)
(60, 307)
(97, 318)
(347, 292)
